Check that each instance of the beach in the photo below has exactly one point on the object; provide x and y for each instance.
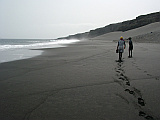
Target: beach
(84, 82)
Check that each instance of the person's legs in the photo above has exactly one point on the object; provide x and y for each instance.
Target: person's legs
(131, 53)
(120, 56)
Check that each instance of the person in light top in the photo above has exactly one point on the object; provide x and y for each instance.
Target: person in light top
(120, 47)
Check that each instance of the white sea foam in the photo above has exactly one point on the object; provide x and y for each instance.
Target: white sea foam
(38, 44)
(11, 50)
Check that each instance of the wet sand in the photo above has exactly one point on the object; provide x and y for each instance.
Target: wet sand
(83, 82)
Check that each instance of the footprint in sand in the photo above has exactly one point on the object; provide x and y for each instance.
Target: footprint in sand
(148, 117)
(118, 71)
(121, 74)
(130, 91)
(141, 102)
(128, 83)
(149, 74)
(141, 113)
(121, 78)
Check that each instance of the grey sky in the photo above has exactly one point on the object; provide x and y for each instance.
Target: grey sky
(58, 18)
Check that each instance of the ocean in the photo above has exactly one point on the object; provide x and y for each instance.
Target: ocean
(16, 49)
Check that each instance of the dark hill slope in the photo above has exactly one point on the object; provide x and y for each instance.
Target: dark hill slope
(123, 26)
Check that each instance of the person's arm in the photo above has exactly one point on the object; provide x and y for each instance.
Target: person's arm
(117, 45)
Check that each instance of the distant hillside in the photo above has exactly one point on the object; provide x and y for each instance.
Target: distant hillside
(122, 26)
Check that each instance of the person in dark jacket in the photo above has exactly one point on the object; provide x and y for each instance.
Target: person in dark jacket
(130, 47)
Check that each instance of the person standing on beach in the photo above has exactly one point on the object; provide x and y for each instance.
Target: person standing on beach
(130, 47)
(120, 47)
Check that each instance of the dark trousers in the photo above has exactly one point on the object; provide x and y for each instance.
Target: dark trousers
(130, 53)
(120, 56)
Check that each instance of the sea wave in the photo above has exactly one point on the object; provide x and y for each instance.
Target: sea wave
(37, 44)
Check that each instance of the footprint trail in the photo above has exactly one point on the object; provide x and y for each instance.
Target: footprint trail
(123, 80)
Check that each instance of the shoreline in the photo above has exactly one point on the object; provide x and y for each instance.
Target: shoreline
(13, 54)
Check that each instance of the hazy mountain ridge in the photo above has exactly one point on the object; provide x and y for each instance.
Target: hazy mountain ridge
(140, 21)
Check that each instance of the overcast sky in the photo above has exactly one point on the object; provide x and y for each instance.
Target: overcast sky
(59, 18)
